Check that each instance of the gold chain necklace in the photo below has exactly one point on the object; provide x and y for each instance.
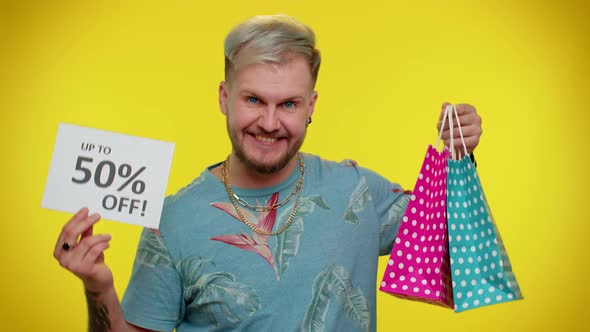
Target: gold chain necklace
(263, 208)
(234, 199)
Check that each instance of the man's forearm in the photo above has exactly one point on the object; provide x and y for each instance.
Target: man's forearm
(104, 312)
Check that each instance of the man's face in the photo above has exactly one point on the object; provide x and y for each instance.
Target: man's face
(267, 108)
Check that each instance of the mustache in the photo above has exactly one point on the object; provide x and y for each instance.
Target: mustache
(267, 134)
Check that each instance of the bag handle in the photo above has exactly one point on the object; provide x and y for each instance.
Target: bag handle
(460, 131)
(442, 125)
(448, 113)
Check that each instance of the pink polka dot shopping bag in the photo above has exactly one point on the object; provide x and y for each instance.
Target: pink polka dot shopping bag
(418, 267)
(480, 269)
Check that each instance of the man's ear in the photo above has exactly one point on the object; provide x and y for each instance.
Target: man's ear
(223, 97)
(314, 98)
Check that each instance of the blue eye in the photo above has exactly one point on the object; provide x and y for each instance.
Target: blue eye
(289, 104)
(252, 100)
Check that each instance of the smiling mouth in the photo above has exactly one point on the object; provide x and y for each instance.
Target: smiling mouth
(266, 139)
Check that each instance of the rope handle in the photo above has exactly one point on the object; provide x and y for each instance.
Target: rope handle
(448, 113)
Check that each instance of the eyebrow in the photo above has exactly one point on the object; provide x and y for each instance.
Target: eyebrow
(254, 94)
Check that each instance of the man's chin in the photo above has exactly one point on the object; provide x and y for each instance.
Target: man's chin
(264, 165)
(267, 167)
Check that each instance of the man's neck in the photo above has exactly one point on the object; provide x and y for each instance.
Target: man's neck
(243, 177)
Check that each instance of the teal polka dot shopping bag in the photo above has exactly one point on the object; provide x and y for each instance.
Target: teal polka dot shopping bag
(480, 269)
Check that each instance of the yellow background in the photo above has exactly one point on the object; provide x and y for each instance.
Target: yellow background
(152, 69)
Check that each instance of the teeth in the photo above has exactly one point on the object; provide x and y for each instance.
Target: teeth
(266, 139)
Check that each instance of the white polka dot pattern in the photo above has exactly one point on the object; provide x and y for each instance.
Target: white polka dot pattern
(418, 267)
(481, 272)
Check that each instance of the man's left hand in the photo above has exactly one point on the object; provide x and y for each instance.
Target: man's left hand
(470, 126)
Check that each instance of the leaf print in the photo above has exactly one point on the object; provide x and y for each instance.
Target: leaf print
(395, 213)
(349, 163)
(315, 315)
(353, 300)
(288, 245)
(155, 231)
(351, 218)
(266, 219)
(356, 307)
(191, 267)
(309, 203)
(245, 242)
(334, 280)
(152, 250)
(358, 202)
(400, 190)
(256, 243)
(229, 209)
(319, 201)
(306, 207)
(217, 294)
(288, 241)
(218, 287)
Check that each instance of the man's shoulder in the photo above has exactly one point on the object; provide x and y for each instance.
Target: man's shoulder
(182, 208)
(200, 187)
(320, 162)
(343, 167)
(187, 190)
(347, 170)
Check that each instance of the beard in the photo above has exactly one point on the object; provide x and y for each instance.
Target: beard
(260, 166)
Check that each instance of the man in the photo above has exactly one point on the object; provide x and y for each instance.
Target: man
(271, 239)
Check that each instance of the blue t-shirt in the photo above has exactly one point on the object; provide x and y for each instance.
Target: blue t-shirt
(205, 270)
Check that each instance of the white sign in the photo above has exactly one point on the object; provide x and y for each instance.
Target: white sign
(121, 177)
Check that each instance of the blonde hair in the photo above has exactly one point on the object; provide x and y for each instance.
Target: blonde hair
(270, 39)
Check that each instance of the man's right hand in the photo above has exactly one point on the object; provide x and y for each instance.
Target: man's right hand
(82, 253)
(84, 256)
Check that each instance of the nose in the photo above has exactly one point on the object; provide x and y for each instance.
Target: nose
(269, 119)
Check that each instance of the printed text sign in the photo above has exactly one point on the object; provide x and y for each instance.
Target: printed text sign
(121, 177)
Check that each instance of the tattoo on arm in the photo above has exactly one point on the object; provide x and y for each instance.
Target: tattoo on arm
(98, 314)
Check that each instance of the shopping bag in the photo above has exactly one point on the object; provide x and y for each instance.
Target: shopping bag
(418, 267)
(481, 272)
